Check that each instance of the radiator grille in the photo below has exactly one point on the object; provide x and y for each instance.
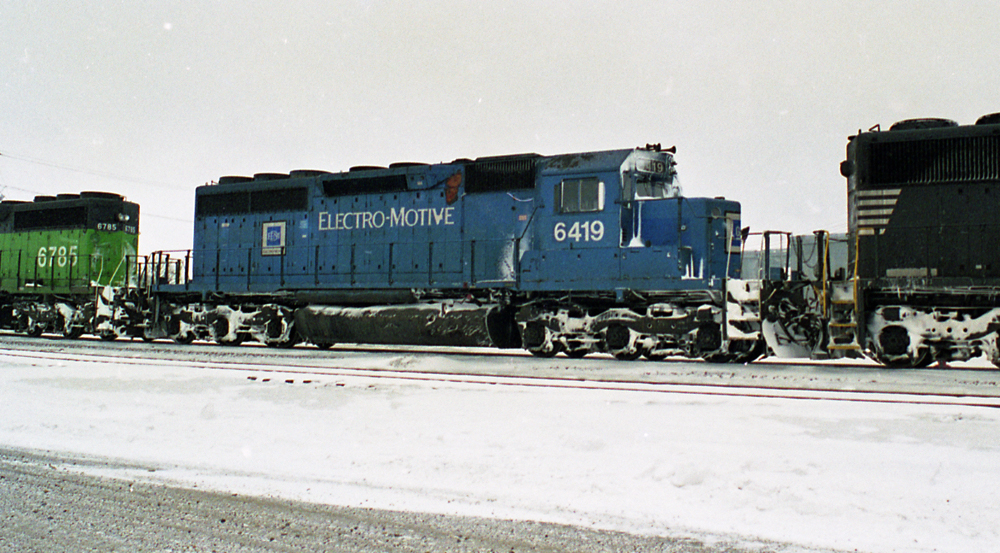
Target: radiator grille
(944, 160)
(501, 174)
(256, 201)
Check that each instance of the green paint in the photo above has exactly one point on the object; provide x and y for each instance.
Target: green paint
(66, 261)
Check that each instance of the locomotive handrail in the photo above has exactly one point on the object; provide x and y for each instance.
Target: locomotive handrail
(825, 264)
(222, 270)
(764, 269)
(170, 271)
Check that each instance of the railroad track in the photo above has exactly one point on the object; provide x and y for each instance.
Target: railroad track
(50, 342)
(775, 381)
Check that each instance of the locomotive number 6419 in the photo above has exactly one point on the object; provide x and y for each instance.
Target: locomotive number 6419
(586, 231)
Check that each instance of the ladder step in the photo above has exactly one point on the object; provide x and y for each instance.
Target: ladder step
(844, 346)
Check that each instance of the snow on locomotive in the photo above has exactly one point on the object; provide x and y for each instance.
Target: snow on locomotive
(576, 253)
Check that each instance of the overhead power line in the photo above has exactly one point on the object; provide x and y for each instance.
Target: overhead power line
(92, 172)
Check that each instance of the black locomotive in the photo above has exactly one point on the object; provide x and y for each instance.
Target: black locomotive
(920, 281)
(923, 199)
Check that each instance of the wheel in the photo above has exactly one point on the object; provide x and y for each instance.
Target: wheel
(323, 346)
(894, 341)
(538, 340)
(893, 350)
(545, 354)
(618, 337)
(73, 332)
(184, 339)
(535, 336)
(922, 360)
(293, 339)
(220, 329)
(542, 353)
(148, 336)
(747, 351)
(109, 336)
(274, 328)
(577, 353)
(627, 355)
(287, 344)
(718, 356)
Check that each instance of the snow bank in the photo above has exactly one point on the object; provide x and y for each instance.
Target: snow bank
(871, 477)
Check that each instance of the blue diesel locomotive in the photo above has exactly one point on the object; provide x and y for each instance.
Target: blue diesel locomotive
(576, 253)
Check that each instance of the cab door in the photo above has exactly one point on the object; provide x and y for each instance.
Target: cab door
(576, 235)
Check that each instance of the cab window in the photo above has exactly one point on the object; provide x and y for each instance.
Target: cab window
(579, 195)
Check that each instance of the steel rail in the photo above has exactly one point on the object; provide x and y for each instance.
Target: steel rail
(706, 389)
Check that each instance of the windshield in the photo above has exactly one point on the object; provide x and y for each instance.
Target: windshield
(651, 187)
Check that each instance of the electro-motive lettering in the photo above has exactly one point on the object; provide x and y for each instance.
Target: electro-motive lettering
(402, 217)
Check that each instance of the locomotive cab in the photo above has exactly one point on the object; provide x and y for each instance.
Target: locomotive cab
(644, 267)
(617, 221)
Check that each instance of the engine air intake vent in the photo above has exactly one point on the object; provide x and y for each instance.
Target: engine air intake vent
(960, 159)
(256, 201)
(354, 186)
(60, 217)
(498, 174)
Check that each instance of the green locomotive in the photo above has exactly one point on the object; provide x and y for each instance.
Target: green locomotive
(67, 263)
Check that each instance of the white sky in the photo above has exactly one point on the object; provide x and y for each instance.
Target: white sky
(152, 99)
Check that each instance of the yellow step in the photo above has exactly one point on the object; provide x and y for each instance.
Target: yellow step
(844, 346)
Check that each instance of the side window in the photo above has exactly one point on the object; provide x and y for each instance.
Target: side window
(579, 195)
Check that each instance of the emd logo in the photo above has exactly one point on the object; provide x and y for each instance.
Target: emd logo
(273, 240)
(273, 236)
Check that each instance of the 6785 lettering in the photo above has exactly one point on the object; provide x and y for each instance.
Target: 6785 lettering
(60, 256)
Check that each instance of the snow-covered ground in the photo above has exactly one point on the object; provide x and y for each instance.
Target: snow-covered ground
(829, 474)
